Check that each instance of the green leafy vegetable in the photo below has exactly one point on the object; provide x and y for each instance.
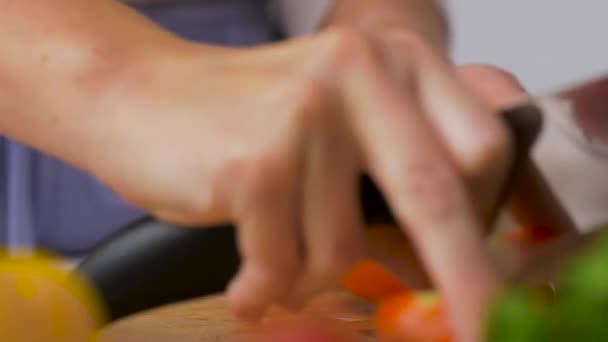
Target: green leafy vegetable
(579, 311)
(518, 317)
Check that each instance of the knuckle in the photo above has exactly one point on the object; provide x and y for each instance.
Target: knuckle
(347, 46)
(274, 269)
(311, 100)
(268, 172)
(347, 39)
(493, 149)
(236, 182)
(229, 174)
(231, 168)
(428, 191)
(253, 171)
(272, 274)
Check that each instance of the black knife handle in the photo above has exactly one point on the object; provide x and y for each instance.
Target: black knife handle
(149, 263)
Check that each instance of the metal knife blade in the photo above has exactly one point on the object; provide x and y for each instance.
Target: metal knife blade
(581, 112)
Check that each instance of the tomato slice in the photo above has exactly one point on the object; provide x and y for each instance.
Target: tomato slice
(415, 317)
(402, 314)
(371, 281)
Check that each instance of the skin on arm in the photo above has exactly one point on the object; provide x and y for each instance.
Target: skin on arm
(57, 60)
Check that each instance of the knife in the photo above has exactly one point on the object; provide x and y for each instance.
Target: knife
(151, 263)
(581, 112)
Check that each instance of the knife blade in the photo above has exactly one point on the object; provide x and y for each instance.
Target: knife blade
(581, 112)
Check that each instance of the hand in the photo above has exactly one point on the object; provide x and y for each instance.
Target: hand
(274, 138)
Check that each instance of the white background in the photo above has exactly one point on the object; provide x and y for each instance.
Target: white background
(547, 43)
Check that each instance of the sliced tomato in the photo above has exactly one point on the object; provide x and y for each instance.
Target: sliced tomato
(412, 317)
(371, 281)
(402, 314)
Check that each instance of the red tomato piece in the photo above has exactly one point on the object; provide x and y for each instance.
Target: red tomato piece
(371, 281)
(417, 318)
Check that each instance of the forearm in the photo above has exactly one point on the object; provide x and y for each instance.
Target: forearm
(58, 58)
(425, 17)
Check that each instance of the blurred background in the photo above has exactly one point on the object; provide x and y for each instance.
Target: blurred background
(547, 43)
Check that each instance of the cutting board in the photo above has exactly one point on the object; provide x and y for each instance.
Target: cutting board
(209, 319)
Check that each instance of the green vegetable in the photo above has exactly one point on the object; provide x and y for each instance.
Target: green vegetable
(579, 311)
(518, 317)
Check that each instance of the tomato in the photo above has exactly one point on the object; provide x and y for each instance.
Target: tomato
(415, 317)
(402, 314)
(372, 282)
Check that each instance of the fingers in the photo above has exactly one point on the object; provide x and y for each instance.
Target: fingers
(532, 202)
(425, 191)
(400, 135)
(332, 223)
(268, 237)
(477, 139)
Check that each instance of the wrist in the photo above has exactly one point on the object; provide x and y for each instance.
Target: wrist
(120, 102)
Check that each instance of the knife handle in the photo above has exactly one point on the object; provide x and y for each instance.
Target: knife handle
(149, 263)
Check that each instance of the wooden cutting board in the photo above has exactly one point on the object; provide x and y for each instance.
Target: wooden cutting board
(210, 320)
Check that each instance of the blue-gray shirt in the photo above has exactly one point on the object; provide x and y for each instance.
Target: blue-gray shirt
(50, 205)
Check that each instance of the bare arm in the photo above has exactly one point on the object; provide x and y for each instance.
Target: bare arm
(58, 59)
